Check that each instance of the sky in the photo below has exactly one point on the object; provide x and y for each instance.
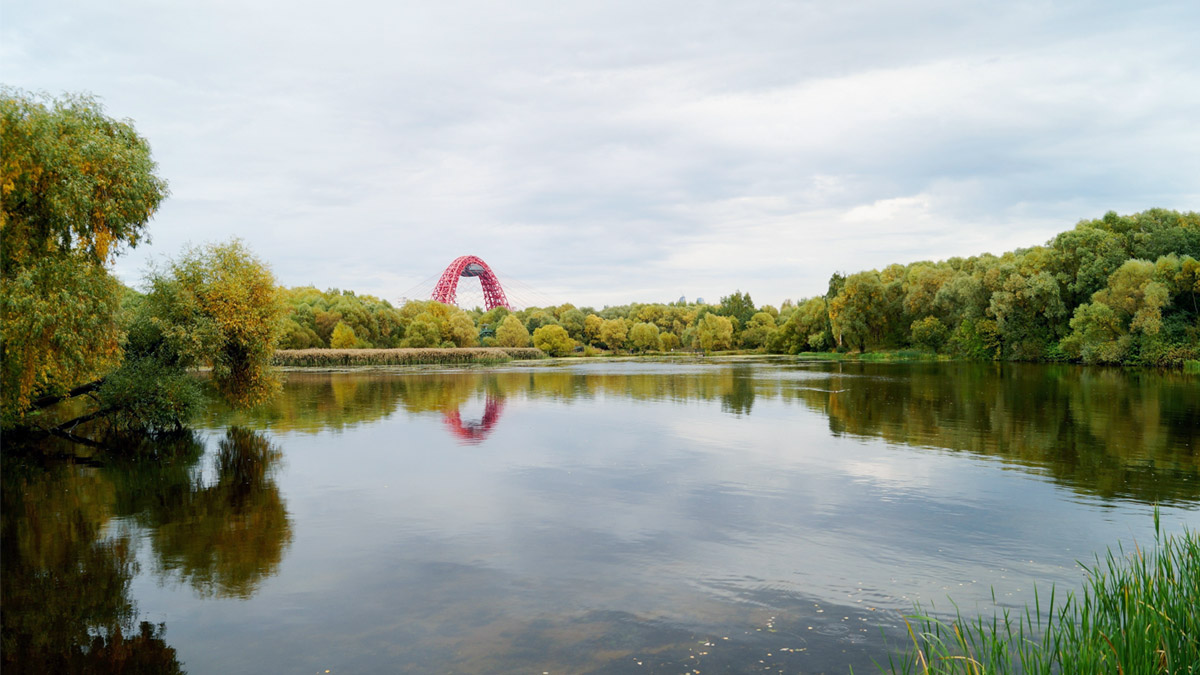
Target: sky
(602, 153)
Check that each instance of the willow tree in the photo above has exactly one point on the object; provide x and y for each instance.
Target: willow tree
(77, 188)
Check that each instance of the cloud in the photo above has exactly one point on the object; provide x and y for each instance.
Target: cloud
(612, 152)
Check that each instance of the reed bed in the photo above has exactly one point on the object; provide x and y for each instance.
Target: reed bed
(1138, 614)
(339, 358)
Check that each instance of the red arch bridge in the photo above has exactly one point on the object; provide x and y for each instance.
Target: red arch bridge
(446, 290)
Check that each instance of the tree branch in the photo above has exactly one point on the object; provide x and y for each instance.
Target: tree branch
(56, 431)
(47, 401)
(70, 425)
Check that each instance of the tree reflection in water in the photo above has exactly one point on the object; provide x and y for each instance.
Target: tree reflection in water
(224, 538)
(65, 590)
(1106, 432)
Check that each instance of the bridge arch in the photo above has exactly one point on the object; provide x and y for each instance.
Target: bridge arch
(446, 290)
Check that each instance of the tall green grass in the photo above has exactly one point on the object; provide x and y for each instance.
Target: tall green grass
(1138, 614)
(1191, 367)
(338, 358)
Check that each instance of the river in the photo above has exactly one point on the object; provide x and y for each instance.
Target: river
(592, 516)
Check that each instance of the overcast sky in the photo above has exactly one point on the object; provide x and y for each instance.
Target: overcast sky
(609, 152)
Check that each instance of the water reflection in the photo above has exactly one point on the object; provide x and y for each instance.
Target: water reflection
(474, 433)
(1105, 432)
(70, 533)
(65, 588)
(629, 516)
(222, 538)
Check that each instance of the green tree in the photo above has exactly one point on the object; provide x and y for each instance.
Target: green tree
(714, 332)
(1122, 319)
(759, 331)
(644, 337)
(75, 187)
(854, 313)
(324, 322)
(553, 339)
(573, 320)
(806, 328)
(1087, 256)
(299, 336)
(929, 333)
(216, 305)
(538, 318)
(669, 341)
(462, 331)
(591, 328)
(922, 283)
(493, 317)
(422, 332)
(512, 333)
(737, 306)
(1028, 311)
(976, 339)
(613, 333)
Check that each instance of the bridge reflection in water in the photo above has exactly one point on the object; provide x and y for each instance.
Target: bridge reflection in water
(474, 433)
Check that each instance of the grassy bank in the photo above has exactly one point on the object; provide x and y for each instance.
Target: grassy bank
(335, 358)
(1138, 613)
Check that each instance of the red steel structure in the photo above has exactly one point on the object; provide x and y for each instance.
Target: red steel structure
(446, 291)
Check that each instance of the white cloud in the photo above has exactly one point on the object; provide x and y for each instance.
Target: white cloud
(604, 153)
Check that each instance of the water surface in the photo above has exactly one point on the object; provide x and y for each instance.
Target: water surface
(737, 515)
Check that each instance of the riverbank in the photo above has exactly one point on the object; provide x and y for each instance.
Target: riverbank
(484, 356)
(335, 358)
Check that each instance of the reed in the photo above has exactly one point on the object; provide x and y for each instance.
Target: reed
(1138, 614)
(1192, 367)
(341, 358)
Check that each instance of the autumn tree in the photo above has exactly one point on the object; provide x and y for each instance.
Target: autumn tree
(421, 332)
(343, 337)
(613, 333)
(215, 306)
(644, 337)
(553, 339)
(76, 188)
(462, 331)
(759, 331)
(714, 332)
(591, 328)
(512, 333)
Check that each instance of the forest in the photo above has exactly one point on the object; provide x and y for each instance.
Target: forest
(1114, 290)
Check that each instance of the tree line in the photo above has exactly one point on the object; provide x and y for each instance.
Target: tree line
(1114, 290)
